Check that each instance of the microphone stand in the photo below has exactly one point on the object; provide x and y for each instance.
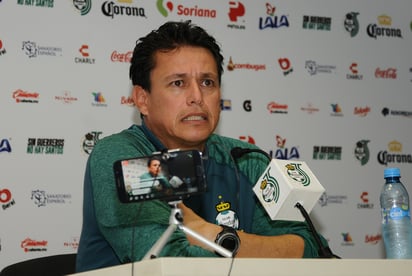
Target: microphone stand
(176, 221)
(324, 252)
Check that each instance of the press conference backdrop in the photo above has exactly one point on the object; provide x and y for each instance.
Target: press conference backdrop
(327, 82)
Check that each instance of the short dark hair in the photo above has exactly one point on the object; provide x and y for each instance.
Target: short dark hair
(167, 37)
(153, 158)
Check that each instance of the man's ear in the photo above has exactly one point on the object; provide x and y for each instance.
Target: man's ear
(140, 99)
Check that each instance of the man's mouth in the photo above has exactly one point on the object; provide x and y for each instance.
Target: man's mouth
(195, 118)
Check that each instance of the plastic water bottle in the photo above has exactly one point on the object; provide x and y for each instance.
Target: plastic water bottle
(396, 220)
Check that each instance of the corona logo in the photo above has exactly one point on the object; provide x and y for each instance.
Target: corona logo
(385, 20)
(395, 146)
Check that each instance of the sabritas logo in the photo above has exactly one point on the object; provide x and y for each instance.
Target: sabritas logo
(194, 11)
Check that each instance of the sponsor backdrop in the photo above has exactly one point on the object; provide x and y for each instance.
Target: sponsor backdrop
(327, 82)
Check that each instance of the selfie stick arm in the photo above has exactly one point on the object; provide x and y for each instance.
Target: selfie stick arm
(176, 221)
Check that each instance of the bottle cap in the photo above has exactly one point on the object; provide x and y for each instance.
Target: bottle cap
(391, 172)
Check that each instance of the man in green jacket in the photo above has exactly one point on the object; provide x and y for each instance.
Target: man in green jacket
(176, 74)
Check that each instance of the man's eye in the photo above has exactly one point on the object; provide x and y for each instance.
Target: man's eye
(177, 83)
(208, 82)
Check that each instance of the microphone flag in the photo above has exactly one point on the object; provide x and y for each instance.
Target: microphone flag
(285, 183)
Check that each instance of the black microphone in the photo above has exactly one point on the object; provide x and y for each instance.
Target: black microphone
(323, 251)
(238, 152)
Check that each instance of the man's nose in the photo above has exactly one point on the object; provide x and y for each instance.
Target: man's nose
(195, 94)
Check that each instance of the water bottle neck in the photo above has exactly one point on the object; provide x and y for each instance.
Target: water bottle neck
(392, 179)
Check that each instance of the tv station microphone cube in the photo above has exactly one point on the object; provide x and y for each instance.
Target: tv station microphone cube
(285, 183)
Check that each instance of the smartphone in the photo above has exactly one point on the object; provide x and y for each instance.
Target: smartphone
(169, 176)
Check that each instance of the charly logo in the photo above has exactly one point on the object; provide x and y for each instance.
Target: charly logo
(351, 23)
(83, 6)
(361, 151)
(269, 187)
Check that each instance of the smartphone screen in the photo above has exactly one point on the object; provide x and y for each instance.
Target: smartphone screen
(169, 176)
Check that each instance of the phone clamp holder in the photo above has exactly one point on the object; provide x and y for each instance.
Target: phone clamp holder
(175, 222)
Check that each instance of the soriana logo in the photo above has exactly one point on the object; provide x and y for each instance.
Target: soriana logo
(167, 7)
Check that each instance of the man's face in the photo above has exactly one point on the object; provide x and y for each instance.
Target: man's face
(183, 106)
(154, 167)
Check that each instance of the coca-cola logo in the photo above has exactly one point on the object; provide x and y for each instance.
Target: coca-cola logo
(389, 73)
(121, 57)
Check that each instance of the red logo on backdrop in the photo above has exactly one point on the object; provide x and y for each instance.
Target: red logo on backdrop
(30, 245)
(354, 68)
(389, 73)
(373, 239)
(83, 50)
(362, 111)
(236, 9)
(6, 199)
(285, 65)
(23, 96)
(364, 197)
(5, 196)
(248, 139)
(121, 57)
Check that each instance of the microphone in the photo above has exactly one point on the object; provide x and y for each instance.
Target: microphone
(238, 152)
(284, 188)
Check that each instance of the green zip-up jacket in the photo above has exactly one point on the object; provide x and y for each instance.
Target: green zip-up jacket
(114, 233)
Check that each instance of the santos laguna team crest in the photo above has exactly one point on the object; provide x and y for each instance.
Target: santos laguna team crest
(296, 173)
(269, 187)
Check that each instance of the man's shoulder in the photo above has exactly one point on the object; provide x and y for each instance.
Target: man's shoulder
(228, 142)
(127, 143)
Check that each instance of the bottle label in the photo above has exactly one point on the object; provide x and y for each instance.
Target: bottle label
(395, 213)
